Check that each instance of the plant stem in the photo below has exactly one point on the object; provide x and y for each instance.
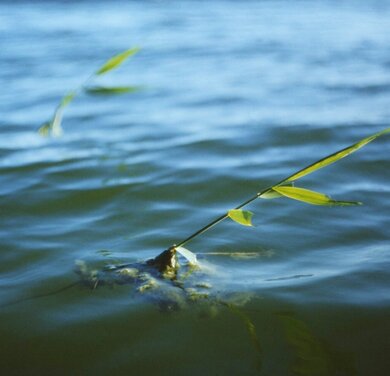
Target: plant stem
(289, 181)
(219, 219)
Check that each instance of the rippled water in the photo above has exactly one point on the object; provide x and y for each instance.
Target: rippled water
(236, 96)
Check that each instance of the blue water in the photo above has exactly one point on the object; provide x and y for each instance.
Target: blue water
(235, 96)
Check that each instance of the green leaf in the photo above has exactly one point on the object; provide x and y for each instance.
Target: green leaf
(311, 197)
(56, 127)
(270, 194)
(116, 60)
(44, 129)
(67, 98)
(333, 157)
(53, 127)
(191, 257)
(102, 90)
(243, 217)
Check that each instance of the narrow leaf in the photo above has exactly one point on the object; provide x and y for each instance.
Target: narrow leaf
(116, 60)
(102, 90)
(44, 129)
(270, 194)
(56, 127)
(191, 257)
(67, 98)
(333, 157)
(311, 197)
(243, 217)
(53, 127)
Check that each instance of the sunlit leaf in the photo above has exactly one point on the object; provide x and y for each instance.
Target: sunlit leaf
(270, 194)
(102, 90)
(333, 157)
(243, 217)
(68, 98)
(191, 257)
(116, 60)
(311, 197)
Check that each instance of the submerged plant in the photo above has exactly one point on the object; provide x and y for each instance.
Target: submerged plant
(284, 188)
(54, 127)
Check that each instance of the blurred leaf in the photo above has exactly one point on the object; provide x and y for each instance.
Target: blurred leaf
(311, 197)
(191, 257)
(53, 127)
(44, 129)
(243, 217)
(56, 127)
(333, 157)
(116, 60)
(68, 98)
(102, 90)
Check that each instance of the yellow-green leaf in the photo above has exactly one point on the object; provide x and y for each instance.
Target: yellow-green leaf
(191, 257)
(311, 197)
(68, 98)
(243, 217)
(333, 157)
(269, 194)
(53, 127)
(102, 90)
(44, 129)
(56, 127)
(116, 60)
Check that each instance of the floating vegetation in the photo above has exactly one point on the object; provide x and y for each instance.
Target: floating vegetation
(166, 265)
(54, 126)
(175, 286)
(285, 188)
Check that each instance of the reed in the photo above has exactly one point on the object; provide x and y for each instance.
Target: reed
(285, 188)
(53, 127)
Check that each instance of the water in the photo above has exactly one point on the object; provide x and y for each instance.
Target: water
(237, 95)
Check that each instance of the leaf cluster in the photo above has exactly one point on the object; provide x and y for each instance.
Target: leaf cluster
(286, 188)
(53, 127)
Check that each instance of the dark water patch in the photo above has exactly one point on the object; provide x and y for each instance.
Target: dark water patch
(362, 89)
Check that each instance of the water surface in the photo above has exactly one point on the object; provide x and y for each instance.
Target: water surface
(237, 95)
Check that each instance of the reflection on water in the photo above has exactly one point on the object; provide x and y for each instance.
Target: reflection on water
(313, 356)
